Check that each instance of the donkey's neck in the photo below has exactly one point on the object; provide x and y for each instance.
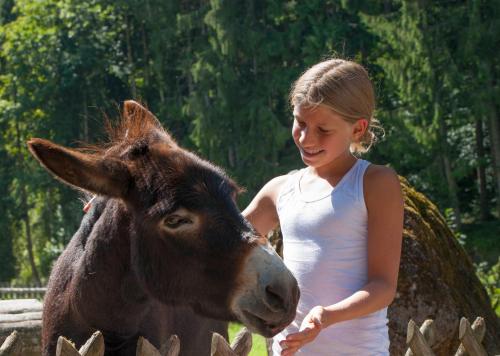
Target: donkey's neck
(105, 279)
(107, 244)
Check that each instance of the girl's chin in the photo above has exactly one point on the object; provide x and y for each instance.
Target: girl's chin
(310, 158)
(314, 163)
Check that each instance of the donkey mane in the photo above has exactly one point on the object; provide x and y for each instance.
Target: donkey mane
(134, 130)
(133, 135)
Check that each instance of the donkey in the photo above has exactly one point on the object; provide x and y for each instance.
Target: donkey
(164, 249)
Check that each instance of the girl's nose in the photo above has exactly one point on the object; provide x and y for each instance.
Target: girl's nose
(305, 136)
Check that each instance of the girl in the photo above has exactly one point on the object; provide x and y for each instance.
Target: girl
(341, 218)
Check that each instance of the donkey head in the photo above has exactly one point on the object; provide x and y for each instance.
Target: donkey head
(189, 242)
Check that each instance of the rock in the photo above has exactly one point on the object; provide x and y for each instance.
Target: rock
(437, 280)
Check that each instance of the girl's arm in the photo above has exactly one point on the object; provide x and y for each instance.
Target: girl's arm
(261, 212)
(384, 202)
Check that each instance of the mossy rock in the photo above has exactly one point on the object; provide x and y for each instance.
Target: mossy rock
(436, 281)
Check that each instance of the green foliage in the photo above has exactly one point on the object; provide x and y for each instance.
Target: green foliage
(451, 222)
(490, 278)
(482, 241)
(218, 76)
(241, 77)
(436, 82)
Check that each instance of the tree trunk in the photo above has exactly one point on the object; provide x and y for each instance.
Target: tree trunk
(187, 71)
(85, 116)
(49, 215)
(156, 58)
(442, 134)
(481, 170)
(448, 170)
(495, 148)
(29, 241)
(25, 211)
(133, 89)
(145, 54)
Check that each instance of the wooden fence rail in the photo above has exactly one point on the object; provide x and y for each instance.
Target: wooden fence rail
(24, 316)
(22, 292)
(94, 346)
(420, 340)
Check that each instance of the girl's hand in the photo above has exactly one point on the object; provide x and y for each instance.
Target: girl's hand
(309, 329)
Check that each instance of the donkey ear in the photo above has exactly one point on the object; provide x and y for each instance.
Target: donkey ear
(138, 114)
(109, 177)
(132, 109)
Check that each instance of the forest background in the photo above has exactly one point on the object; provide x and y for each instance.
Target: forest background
(217, 74)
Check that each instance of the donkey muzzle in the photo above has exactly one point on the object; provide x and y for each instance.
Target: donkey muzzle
(267, 299)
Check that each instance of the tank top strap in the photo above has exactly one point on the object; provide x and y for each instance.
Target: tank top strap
(287, 189)
(357, 179)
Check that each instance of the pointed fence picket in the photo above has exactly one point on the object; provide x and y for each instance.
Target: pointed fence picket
(94, 346)
(420, 340)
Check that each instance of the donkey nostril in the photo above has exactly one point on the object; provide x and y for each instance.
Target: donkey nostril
(274, 300)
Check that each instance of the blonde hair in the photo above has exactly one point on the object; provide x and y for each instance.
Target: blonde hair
(344, 87)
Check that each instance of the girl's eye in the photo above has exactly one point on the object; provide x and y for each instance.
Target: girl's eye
(174, 221)
(324, 131)
(300, 123)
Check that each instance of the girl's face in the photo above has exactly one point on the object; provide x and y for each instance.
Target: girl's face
(323, 136)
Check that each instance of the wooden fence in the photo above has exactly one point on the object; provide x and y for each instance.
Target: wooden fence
(420, 340)
(24, 316)
(94, 346)
(27, 292)
(20, 325)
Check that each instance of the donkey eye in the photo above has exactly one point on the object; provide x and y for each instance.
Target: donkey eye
(174, 221)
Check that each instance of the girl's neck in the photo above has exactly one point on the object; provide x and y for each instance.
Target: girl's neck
(335, 170)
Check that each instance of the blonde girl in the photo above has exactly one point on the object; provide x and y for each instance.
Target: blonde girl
(341, 218)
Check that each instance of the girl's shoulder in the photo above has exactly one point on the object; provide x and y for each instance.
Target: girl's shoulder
(262, 210)
(377, 174)
(379, 168)
(275, 186)
(381, 184)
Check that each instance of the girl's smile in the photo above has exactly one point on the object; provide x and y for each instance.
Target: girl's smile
(323, 137)
(309, 153)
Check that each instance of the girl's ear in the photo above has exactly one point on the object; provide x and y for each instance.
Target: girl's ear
(359, 128)
(108, 176)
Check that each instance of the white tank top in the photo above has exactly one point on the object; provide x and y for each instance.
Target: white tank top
(325, 247)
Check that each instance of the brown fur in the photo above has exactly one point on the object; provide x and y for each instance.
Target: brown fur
(121, 273)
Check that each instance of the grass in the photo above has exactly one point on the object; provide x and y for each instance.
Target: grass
(258, 342)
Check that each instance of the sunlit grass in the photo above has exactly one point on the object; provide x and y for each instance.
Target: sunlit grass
(258, 342)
